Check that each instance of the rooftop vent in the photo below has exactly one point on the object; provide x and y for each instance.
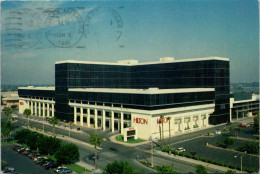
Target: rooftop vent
(167, 59)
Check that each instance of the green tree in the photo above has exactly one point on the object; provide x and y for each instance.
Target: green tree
(166, 169)
(229, 142)
(162, 120)
(169, 120)
(237, 130)
(256, 124)
(119, 167)
(8, 111)
(54, 121)
(32, 140)
(252, 147)
(67, 153)
(21, 135)
(27, 113)
(49, 145)
(96, 140)
(200, 169)
(230, 172)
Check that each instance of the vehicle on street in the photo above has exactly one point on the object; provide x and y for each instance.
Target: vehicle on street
(47, 162)
(243, 125)
(65, 171)
(193, 153)
(113, 149)
(180, 149)
(92, 157)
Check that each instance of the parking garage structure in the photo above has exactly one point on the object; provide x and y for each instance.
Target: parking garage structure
(140, 109)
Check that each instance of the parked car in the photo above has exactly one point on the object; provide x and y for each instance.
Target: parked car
(41, 160)
(21, 150)
(193, 153)
(26, 152)
(33, 155)
(16, 147)
(59, 168)
(180, 149)
(92, 157)
(65, 170)
(9, 170)
(51, 165)
(47, 162)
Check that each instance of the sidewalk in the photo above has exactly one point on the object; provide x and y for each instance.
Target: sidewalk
(189, 160)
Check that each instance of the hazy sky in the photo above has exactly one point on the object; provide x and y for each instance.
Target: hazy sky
(34, 35)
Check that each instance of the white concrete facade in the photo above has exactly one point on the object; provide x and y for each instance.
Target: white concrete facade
(145, 122)
(39, 107)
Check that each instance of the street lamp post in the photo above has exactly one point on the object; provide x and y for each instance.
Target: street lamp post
(241, 160)
(151, 151)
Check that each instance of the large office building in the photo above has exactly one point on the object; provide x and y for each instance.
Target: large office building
(128, 95)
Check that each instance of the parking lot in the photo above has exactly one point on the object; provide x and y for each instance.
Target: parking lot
(199, 146)
(21, 163)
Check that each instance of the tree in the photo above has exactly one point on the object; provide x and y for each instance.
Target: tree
(252, 147)
(160, 131)
(200, 169)
(54, 121)
(237, 130)
(21, 135)
(96, 140)
(169, 120)
(229, 141)
(256, 124)
(166, 169)
(27, 113)
(67, 153)
(49, 145)
(119, 167)
(8, 111)
(2, 99)
(162, 118)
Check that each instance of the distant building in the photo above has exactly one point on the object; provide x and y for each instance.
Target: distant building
(128, 95)
(244, 108)
(10, 98)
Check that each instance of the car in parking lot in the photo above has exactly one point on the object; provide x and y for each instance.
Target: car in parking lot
(59, 168)
(47, 162)
(51, 165)
(40, 160)
(16, 147)
(180, 149)
(9, 170)
(61, 171)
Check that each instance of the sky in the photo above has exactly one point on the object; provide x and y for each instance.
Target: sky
(36, 34)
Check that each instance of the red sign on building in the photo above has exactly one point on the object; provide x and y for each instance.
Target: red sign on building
(21, 103)
(164, 120)
(141, 120)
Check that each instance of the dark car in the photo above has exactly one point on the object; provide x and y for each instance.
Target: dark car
(92, 157)
(51, 165)
(43, 161)
(113, 149)
(193, 153)
(16, 147)
(40, 160)
(47, 162)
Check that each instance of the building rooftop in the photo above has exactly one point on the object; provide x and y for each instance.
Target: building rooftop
(51, 88)
(141, 91)
(135, 62)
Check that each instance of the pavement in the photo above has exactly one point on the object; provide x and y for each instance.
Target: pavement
(208, 165)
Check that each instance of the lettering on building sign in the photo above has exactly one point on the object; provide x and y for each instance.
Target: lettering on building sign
(164, 120)
(21, 103)
(140, 120)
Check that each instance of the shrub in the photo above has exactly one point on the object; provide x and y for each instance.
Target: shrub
(188, 155)
(166, 149)
(200, 169)
(181, 154)
(175, 152)
(22, 135)
(67, 153)
(196, 157)
(252, 147)
(119, 167)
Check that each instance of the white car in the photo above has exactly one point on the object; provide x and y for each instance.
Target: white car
(181, 149)
(59, 168)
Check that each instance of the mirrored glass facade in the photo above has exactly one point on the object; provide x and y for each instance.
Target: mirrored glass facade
(191, 74)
